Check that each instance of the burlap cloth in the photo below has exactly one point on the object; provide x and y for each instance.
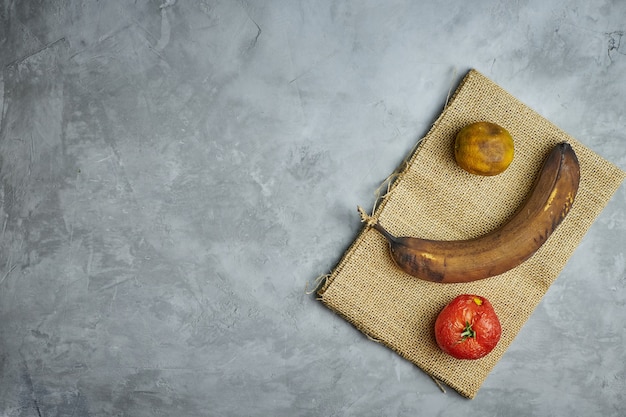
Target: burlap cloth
(433, 198)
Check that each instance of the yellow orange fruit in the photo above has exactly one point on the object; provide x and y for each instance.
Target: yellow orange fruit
(484, 148)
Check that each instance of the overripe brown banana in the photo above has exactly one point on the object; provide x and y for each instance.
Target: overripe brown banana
(504, 248)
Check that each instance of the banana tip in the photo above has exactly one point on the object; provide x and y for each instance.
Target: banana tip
(366, 218)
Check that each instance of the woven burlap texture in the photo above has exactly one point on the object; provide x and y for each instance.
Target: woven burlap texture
(433, 198)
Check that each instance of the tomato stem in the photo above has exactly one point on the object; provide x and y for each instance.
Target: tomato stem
(468, 331)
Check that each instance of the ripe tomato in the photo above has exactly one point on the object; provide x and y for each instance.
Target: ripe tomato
(468, 327)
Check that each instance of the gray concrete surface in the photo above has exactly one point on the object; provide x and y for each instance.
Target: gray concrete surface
(174, 173)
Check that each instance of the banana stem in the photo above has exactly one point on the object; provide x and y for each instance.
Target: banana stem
(371, 222)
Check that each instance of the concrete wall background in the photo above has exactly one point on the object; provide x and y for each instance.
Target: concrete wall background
(174, 173)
